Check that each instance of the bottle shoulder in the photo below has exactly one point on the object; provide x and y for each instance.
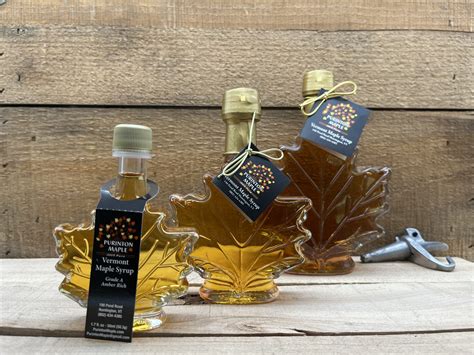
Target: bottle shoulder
(214, 208)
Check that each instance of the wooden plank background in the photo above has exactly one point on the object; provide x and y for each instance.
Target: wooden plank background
(317, 15)
(70, 71)
(189, 67)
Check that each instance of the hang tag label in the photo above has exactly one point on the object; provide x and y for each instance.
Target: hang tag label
(115, 262)
(111, 303)
(254, 186)
(337, 125)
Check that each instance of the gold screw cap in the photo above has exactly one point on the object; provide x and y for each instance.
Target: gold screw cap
(131, 139)
(241, 100)
(315, 80)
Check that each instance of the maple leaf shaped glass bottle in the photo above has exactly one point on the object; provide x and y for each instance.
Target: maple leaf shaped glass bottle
(237, 258)
(347, 200)
(164, 250)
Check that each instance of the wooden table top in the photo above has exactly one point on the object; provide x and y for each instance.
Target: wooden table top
(380, 308)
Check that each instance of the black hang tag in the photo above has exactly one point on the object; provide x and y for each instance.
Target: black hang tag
(337, 125)
(113, 283)
(115, 260)
(254, 186)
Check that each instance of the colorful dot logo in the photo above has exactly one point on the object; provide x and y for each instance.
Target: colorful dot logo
(340, 111)
(260, 173)
(122, 228)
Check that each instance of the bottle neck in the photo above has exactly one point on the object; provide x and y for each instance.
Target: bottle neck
(237, 135)
(131, 178)
(313, 92)
(307, 108)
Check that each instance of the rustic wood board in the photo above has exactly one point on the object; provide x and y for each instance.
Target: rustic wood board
(453, 15)
(393, 272)
(413, 54)
(52, 64)
(364, 308)
(373, 313)
(453, 343)
(54, 159)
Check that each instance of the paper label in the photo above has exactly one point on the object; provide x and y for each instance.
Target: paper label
(337, 125)
(115, 260)
(254, 186)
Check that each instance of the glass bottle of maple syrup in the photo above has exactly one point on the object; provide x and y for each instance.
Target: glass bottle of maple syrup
(163, 252)
(347, 200)
(239, 259)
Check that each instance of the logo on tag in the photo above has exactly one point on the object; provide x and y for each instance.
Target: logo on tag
(337, 125)
(254, 186)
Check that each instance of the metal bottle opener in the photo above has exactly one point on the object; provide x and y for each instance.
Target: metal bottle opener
(411, 245)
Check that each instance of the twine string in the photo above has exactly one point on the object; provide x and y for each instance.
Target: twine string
(235, 164)
(331, 93)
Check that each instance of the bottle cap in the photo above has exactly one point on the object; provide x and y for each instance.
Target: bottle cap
(241, 101)
(132, 140)
(315, 80)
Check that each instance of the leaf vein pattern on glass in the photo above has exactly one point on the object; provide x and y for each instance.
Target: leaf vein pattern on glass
(162, 267)
(237, 258)
(347, 201)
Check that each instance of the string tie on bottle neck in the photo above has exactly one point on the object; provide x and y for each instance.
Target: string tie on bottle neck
(235, 164)
(331, 93)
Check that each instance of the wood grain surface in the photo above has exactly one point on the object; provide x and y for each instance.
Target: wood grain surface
(352, 310)
(458, 343)
(71, 70)
(170, 61)
(366, 306)
(390, 272)
(53, 161)
(453, 15)
(380, 308)
(52, 64)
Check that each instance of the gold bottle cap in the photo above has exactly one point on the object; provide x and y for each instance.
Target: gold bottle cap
(132, 140)
(241, 101)
(315, 80)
